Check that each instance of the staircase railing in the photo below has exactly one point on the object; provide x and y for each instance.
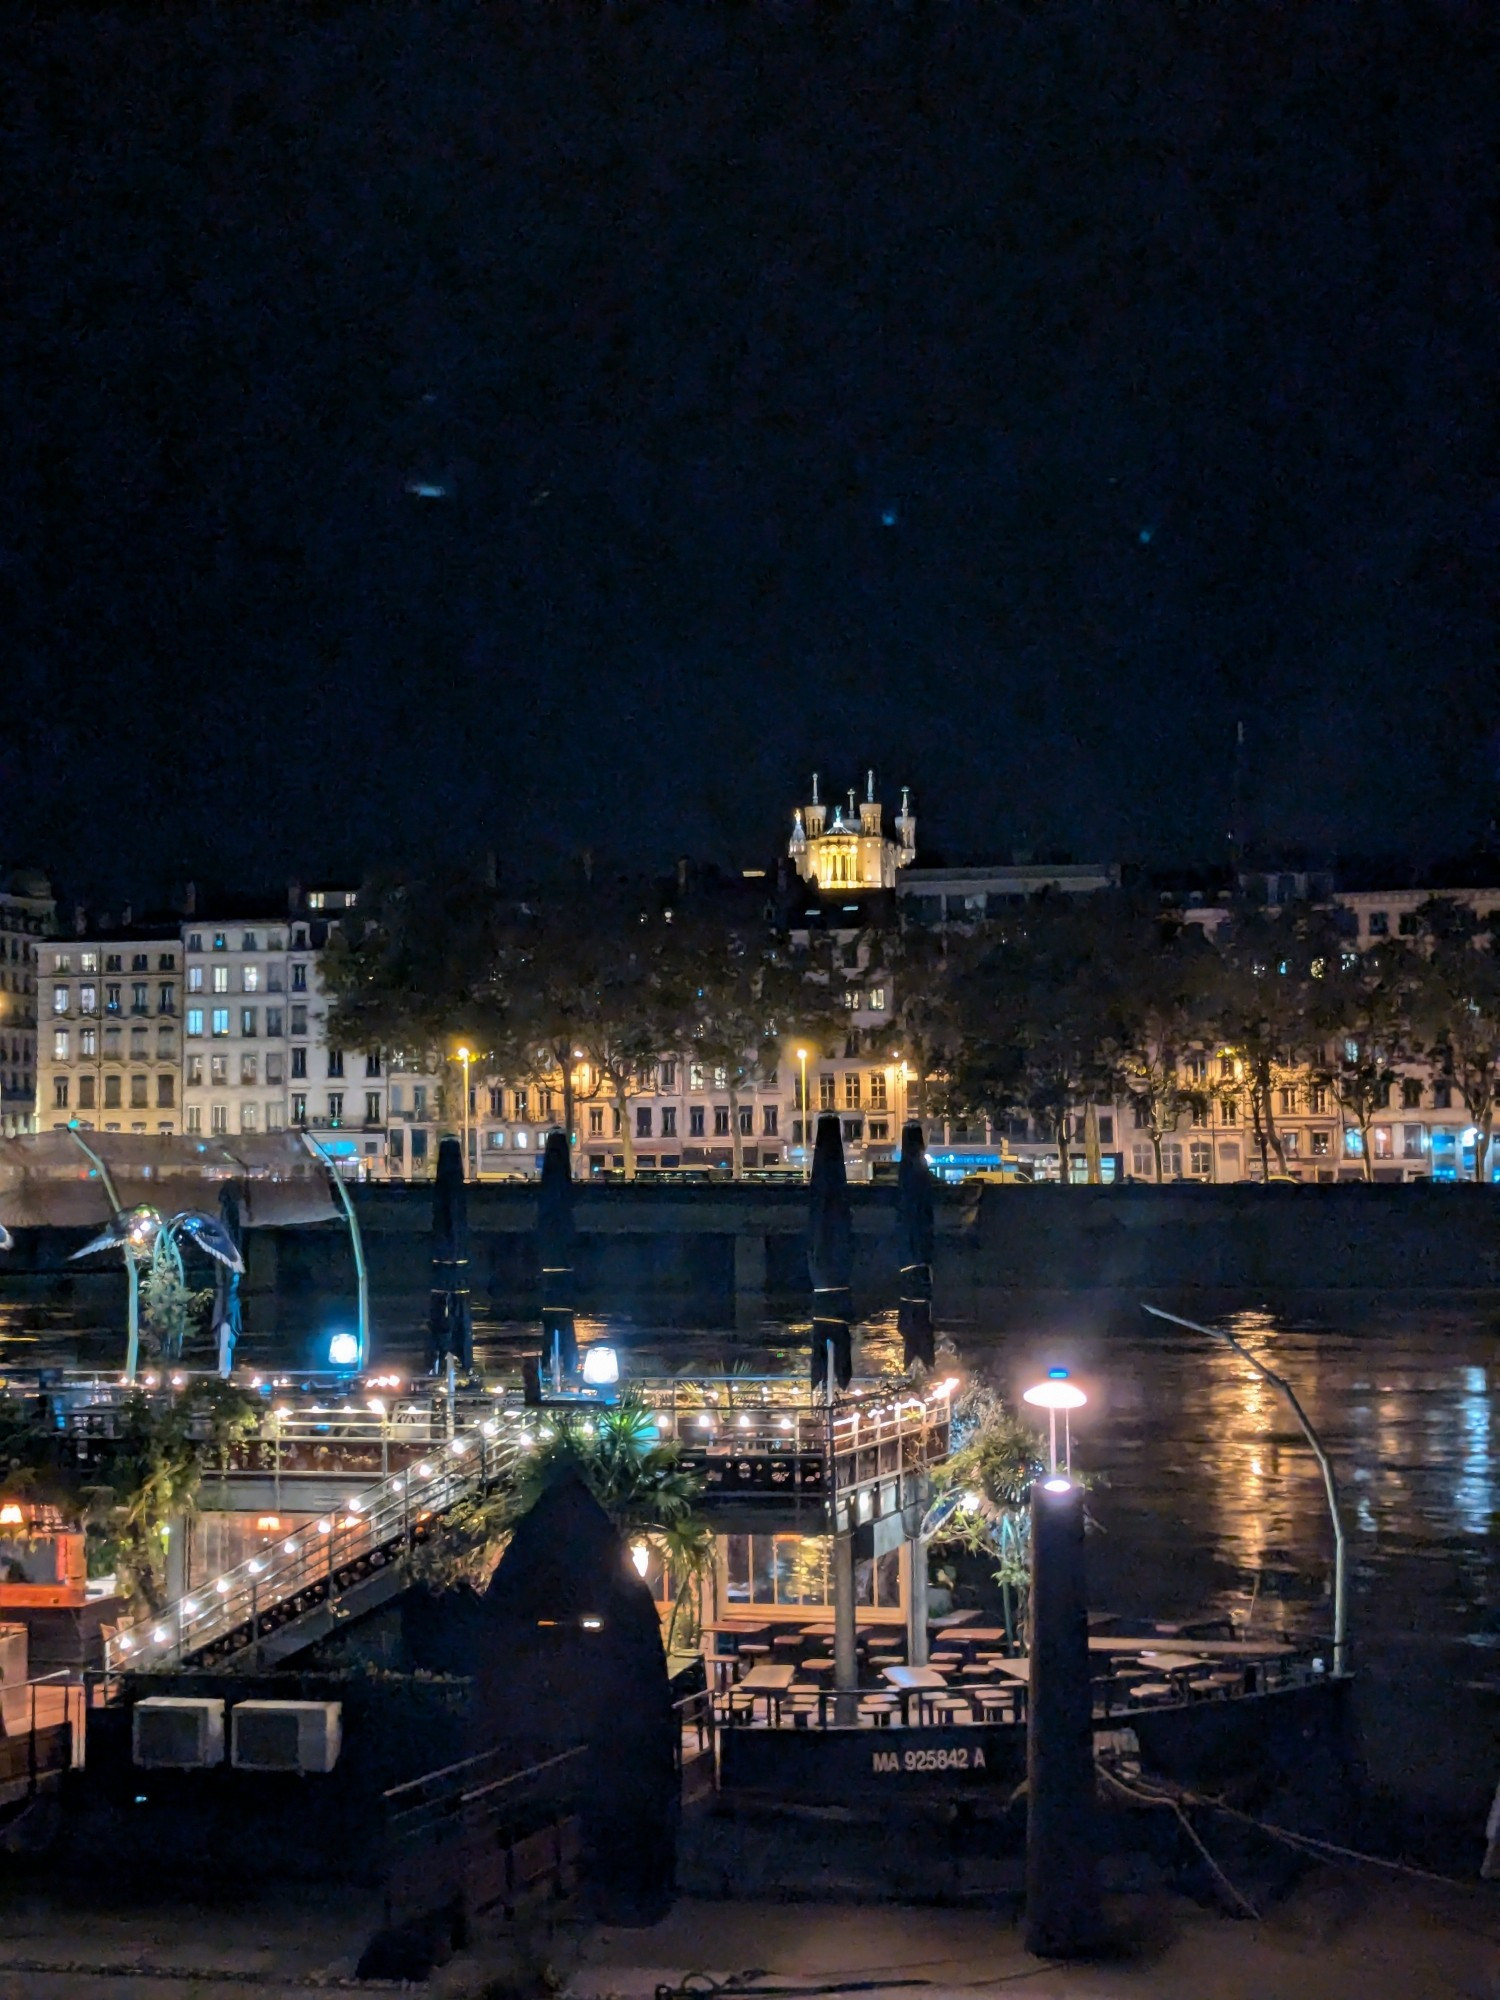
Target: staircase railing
(318, 1562)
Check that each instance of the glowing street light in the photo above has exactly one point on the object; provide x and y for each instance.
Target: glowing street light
(806, 1120)
(1057, 1393)
(465, 1056)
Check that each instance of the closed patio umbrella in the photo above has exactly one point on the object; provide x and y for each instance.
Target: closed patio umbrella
(830, 1255)
(449, 1326)
(554, 1242)
(914, 1209)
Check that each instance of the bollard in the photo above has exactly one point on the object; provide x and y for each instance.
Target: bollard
(1062, 1890)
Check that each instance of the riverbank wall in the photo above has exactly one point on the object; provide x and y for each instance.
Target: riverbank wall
(720, 1252)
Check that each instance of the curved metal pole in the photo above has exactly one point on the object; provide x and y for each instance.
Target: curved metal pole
(132, 1275)
(1330, 1484)
(360, 1277)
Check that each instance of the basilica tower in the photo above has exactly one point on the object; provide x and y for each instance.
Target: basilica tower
(850, 851)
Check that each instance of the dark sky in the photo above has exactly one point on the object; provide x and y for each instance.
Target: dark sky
(1011, 396)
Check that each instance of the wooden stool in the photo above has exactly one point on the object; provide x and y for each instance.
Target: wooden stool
(949, 1708)
(733, 1707)
(996, 1704)
(878, 1711)
(1153, 1691)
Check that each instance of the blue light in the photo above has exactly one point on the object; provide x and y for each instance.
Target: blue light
(889, 518)
(343, 1351)
(1057, 1374)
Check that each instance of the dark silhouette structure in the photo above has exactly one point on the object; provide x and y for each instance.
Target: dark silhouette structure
(554, 1242)
(1062, 1890)
(914, 1210)
(572, 1654)
(830, 1256)
(449, 1323)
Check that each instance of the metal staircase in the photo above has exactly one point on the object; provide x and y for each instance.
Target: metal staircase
(347, 1562)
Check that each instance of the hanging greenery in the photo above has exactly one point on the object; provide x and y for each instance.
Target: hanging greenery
(995, 1460)
(154, 1471)
(636, 1478)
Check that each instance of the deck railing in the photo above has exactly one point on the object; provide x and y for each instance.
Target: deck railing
(316, 1564)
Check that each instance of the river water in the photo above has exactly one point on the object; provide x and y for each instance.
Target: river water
(1205, 1493)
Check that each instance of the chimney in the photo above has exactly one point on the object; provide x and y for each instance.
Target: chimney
(80, 920)
(293, 897)
(190, 900)
(127, 917)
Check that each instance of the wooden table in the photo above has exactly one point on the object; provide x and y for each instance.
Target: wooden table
(1201, 1649)
(770, 1681)
(915, 1681)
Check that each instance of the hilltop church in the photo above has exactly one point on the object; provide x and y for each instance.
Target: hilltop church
(850, 851)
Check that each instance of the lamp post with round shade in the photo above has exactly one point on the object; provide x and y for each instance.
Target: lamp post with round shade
(465, 1056)
(1057, 1393)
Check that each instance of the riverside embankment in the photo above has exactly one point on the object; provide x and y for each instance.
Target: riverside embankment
(707, 1252)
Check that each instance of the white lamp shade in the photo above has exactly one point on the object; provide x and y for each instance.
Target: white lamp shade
(1054, 1396)
(601, 1367)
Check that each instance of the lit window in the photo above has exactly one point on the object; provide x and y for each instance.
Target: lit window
(221, 979)
(221, 942)
(218, 1119)
(1200, 1158)
(596, 1121)
(221, 1020)
(88, 1041)
(60, 1045)
(1354, 1143)
(60, 999)
(88, 961)
(194, 1021)
(521, 1139)
(195, 979)
(250, 979)
(875, 1000)
(851, 1090)
(249, 1118)
(193, 1118)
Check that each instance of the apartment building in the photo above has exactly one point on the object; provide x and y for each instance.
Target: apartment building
(26, 915)
(110, 1042)
(256, 1050)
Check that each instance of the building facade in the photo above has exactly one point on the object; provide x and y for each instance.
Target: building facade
(110, 1033)
(26, 916)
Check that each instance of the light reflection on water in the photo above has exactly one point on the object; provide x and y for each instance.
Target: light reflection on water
(1206, 1495)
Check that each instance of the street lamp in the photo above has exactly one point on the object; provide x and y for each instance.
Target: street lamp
(806, 1121)
(466, 1058)
(1325, 1466)
(1057, 1393)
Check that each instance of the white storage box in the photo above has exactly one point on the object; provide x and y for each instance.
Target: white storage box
(178, 1732)
(303, 1736)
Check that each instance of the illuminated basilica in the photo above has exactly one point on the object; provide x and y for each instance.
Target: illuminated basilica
(849, 850)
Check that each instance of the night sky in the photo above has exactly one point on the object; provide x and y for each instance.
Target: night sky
(1011, 397)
